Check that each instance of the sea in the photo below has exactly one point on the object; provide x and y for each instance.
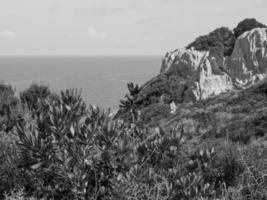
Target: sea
(101, 79)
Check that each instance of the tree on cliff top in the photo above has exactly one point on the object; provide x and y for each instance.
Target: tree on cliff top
(221, 38)
(247, 25)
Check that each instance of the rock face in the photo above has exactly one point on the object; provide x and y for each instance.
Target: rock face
(203, 74)
(202, 71)
(248, 63)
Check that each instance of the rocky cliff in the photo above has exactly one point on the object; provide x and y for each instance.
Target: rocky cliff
(189, 75)
(215, 85)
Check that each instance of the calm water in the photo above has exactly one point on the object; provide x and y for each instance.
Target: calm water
(102, 79)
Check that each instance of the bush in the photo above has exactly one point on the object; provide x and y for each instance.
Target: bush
(32, 95)
(155, 112)
(247, 25)
(64, 150)
(17, 195)
(9, 107)
(11, 177)
(254, 180)
(221, 38)
(69, 151)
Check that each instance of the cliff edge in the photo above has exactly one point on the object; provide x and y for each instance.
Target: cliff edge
(189, 75)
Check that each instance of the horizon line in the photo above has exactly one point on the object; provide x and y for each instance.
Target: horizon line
(81, 55)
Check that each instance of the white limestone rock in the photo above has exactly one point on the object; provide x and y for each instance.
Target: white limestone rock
(207, 75)
(201, 71)
(248, 62)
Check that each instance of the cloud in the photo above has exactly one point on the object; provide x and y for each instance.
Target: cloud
(54, 8)
(91, 33)
(107, 10)
(133, 5)
(7, 35)
(156, 20)
(101, 10)
(96, 35)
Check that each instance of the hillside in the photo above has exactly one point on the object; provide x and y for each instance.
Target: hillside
(240, 116)
(206, 69)
(197, 131)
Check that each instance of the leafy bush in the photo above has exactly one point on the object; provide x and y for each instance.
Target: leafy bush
(17, 195)
(221, 38)
(66, 150)
(8, 107)
(247, 25)
(254, 180)
(11, 177)
(129, 105)
(33, 94)
(69, 151)
(155, 112)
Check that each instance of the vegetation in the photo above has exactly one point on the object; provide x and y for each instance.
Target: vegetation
(32, 95)
(247, 25)
(223, 39)
(62, 149)
(129, 105)
(8, 107)
(173, 86)
(54, 146)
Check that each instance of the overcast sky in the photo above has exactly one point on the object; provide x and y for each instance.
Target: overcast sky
(115, 27)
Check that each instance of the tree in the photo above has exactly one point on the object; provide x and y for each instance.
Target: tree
(247, 25)
(221, 38)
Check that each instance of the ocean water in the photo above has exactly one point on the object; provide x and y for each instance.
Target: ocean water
(102, 79)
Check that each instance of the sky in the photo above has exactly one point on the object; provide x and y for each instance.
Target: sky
(115, 27)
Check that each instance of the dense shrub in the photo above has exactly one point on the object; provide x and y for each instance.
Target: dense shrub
(129, 104)
(221, 39)
(11, 177)
(69, 151)
(155, 112)
(9, 107)
(18, 194)
(247, 25)
(33, 94)
(74, 153)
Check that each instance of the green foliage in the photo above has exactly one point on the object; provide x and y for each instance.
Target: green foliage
(221, 39)
(33, 94)
(164, 85)
(77, 153)
(254, 180)
(247, 25)
(11, 177)
(129, 104)
(8, 107)
(155, 112)
(65, 150)
(17, 195)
